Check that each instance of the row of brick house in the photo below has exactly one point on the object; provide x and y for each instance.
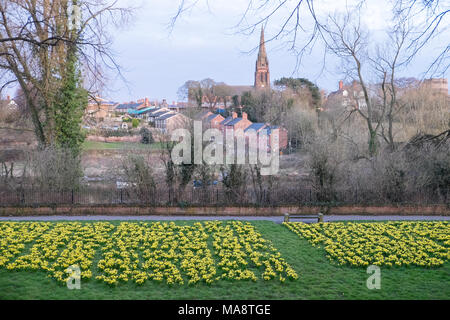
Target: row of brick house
(100, 108)
(167, 118)
(235, 125)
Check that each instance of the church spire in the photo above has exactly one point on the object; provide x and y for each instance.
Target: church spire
(262, 47)
(262, 75)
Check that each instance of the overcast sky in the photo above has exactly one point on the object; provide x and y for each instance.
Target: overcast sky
(205, 43)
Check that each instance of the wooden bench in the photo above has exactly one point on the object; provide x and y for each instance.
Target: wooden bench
(288, 217)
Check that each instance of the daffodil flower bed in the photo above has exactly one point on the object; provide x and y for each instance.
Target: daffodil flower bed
(424, 244)
(164, 252)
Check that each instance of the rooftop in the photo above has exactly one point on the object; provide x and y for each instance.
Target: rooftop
(228, 119)
(128, 105)
(255, 126)
(233, 122)
(166, 116)
(212, 117)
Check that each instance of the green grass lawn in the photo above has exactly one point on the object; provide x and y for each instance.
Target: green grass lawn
(94, 145)
(318, 279)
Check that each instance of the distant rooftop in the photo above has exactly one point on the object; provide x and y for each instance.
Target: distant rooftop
(212, 117)
(128, 105)
(141, 111)
(166, 116)
(233, 122)
(225, 122)
(255, 126)
(159, 113)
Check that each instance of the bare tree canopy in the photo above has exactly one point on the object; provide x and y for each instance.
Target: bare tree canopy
(302, 24)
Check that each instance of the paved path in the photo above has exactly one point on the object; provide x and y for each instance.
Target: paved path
(276, 219)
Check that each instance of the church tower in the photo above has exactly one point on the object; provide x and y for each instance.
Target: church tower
(262, 74)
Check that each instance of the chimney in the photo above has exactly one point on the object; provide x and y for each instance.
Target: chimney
(244, 115)
(341, 85)
(147, 103)
(234, 115)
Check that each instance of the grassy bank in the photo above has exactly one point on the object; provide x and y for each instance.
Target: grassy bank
(95, 145)
(318, 279)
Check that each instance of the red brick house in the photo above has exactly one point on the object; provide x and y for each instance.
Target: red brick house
(213, 121)
(100, 108)
(234, 123)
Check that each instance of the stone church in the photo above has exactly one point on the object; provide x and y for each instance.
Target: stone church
(262, 72)
(261, 82)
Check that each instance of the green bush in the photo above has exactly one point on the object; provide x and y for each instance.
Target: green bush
(147, 136)
(135, 123)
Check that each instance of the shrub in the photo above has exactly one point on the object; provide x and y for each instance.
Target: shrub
(146, 136)
(139, 174)
(325, 164)
(55, 169)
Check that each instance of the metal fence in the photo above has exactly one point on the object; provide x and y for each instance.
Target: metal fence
(207, 196)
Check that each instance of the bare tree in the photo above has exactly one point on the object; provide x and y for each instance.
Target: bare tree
(223, 93)
(204, 91)
(387, 63)
(35, 38)
(191, 91)
(432, 19)
(301, 24)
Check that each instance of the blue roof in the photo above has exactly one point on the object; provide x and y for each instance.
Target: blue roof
(166, 116)
(233, 122)
(212, 117)
(159, 113)
(255, 126)
(228, 119)
(269, 129)
(128, 106)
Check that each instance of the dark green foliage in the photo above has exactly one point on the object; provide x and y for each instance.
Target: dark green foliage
(71, 101)
(265, 106)
(147, 136)
(299, 83)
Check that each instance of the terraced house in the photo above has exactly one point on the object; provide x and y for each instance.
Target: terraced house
(169, 122)
(213, 121)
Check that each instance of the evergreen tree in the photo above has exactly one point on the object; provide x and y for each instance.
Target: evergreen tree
(69, 107)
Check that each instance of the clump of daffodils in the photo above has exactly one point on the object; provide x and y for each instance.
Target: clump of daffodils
(163, 252)
(424, 244)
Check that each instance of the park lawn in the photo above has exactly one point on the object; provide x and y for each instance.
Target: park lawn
(95, 145)
(318, 279)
